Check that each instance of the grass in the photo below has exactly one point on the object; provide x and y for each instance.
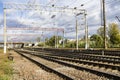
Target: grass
(6, 70)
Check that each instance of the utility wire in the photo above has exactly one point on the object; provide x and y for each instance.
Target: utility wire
(73, 2)
(111, 2)
(51, 2)
(85, 3)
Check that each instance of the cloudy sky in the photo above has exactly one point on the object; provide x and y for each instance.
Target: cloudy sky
(62, 19)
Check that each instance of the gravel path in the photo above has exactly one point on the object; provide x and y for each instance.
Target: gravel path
(74, 73)
(26, 70)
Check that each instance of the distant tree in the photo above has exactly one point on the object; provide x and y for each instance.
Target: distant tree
(38, 39)
(100, 32)
(83, 38)
(41, 44)
(71, 44)
(97, 39)
(114, 33)
(51, 41)
(66, 40)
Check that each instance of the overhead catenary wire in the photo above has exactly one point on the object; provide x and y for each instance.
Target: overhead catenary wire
(112, 2)
(86, 2)
(29, 6)
(51, 2)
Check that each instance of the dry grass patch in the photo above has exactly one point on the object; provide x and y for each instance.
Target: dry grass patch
(5, 66)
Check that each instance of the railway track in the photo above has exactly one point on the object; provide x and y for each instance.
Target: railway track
(100, 52)
(74, 63)
(70, 72)
(92, 53)
(24, 69)
(115, 67)
(89, 57)
(73, 50)
(46, 68)
(113, 64)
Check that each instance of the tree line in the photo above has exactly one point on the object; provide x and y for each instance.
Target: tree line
(112, 37)
(95, 40)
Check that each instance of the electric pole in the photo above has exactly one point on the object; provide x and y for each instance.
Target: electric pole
(86, 31)
(57, 41)
(63, 38)
(104, 24)
(76, 35)
(5, 32)
(101, 12)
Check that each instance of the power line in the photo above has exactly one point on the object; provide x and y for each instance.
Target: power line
(112, 2)
(51, 2)
(73, 2)
(31, 1)
(84, 3)
(118, 18)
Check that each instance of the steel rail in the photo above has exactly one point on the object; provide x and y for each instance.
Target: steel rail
(46, 68)
(98, 72)
(91, 57)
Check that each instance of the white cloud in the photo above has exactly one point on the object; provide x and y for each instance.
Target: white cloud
(65, 20)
